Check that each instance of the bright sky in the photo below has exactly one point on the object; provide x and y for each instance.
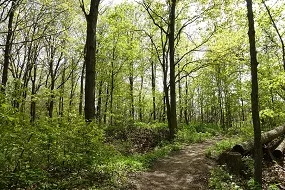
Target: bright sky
(114, 2)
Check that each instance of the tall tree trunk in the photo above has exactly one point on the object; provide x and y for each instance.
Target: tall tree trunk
(81, 89)
(8, 46)
(173, 116)
(33, 102)
(220, 96)
(254, 97)
(74, 83)
(153, 88)
(34, 88)
(186, 102)
(201, 99)
(90, 59)
(106, 105)
(141, 100)
(180, 97)
(61, 98)
(51, 102)
(166, 101)
(112, 93)
(52, 82)
(99, 106)
(131, 80)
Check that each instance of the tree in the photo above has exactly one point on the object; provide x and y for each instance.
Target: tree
(254, 97)
(90, 58)
(8, 45)
(173, 115)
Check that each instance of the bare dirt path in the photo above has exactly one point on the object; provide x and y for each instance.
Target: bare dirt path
(186, 169)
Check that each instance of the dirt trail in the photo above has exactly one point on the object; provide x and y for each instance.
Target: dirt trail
(186, 169)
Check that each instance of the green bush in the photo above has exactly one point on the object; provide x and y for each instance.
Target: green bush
(195, 133)
(51, 153)
(207, 128)
(221, 180)
(221, 146)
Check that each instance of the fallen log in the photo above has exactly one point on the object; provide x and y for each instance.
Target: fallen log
(246, 147)
(279, 151)
(269, 147)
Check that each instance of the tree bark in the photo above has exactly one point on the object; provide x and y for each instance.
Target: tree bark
(254, 97)
(81, 89)
(131, 80)
(99, 106)
(106, 104)
(33, 102)
(186, 117)
(141, 98)
(90, 60)
(173, 115)
(8, 46)
(153, 87)
(266, 137)
(62, 90)
(279, 151)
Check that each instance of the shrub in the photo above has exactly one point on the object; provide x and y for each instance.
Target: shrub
(52, 153)
(220, 179)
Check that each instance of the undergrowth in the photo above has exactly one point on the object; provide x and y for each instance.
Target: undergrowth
(67, 153)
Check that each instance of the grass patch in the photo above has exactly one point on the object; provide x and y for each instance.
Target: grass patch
(221, 146)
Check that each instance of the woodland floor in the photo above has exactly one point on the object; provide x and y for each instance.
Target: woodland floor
(188, 169)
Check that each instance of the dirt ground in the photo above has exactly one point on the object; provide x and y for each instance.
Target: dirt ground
(188, 169)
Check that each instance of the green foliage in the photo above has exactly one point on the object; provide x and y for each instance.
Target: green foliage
(221, 146)
(252, 185)
(221, 180)
(196, 132)
(273, 187)
(207, 128)
(244, 132)
(52, 154)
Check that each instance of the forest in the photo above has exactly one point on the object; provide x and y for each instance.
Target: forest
(113, 94)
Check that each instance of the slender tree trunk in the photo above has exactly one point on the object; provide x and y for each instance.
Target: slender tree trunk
(112, 93)
(81, 89)
(131, 80)
(186, 102)
(141, 100)
(8, 46)
(106, 104)
(34, 88)
(173, 115)
(200, 103)
(254, 97)
(51, 102)
(90, 60)
(33, 102)
(99, 101)
(52, 85)
(180, 97)
(153, 87)
(74, 80)
(166, 103)
(61, 98)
